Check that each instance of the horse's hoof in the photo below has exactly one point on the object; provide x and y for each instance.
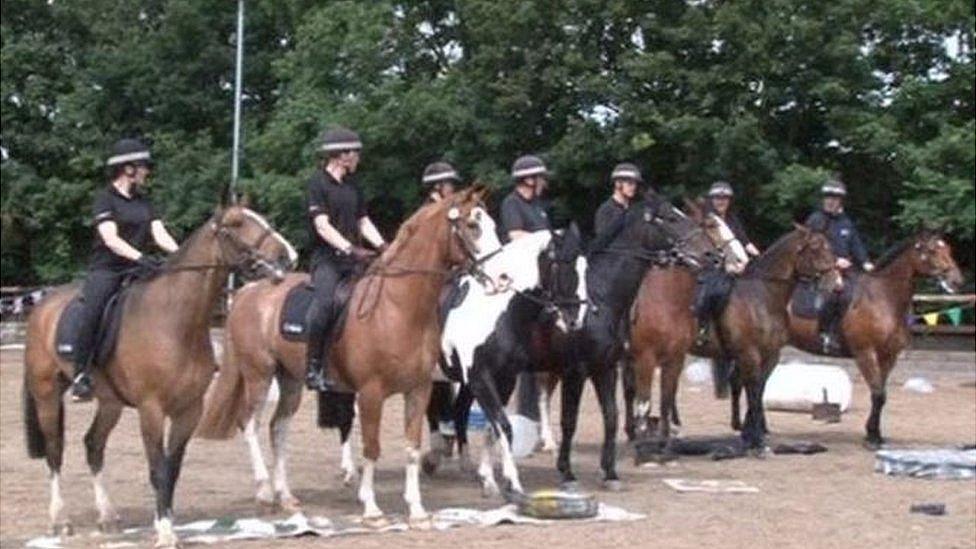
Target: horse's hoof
(422, 523)
(613, 485)
(761, 452)
(431, 462)
(490, 490)
(265, 494)
(546, 447)
(110, 526)
(873, 444)
(290, 504)
(350, 477)
(168, 542)
(375, 522)
(569, 486)
(63, 529)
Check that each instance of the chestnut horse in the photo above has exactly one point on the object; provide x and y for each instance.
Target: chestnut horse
(873, 329)
(389, 343)
(662, 333)
(161, 365)
(753, 328)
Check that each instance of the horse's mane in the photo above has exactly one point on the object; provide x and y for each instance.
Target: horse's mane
(180, 254)
(765, 261)
(412, 223)
(894, 252)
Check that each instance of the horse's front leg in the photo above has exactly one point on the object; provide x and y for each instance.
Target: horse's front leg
(370, 415)
(605, 383)
(106, 418)
(415, 413)
(288, 401)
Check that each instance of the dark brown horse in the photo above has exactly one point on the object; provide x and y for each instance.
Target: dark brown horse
(161, 365)
(873, 328)
(753, 327)
(663, 329)
(388, 344)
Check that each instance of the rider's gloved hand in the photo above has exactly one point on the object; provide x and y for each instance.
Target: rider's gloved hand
(361, 254)
(149, 264)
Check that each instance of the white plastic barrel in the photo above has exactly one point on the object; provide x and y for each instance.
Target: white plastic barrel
(796, 387)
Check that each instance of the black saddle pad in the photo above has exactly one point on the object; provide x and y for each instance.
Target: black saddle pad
(293, 326)
(69, 329)
(292, 323)
(452, 295)
(807, 300)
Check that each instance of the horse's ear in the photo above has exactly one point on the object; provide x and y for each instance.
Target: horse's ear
(476, 193)
(801, 227)
(245, 201)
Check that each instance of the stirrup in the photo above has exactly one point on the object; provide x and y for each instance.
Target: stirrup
(81, 388)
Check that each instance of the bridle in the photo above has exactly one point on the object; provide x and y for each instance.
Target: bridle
(248, 253)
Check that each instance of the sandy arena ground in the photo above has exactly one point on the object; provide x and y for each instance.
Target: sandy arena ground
(828, 500)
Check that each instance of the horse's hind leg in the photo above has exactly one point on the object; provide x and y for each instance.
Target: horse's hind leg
(416, 402)
(875, 375)
(290, 396)
(106, 418)
(44, 419)
(264, 493)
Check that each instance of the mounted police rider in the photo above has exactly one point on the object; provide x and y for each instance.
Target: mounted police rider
(337, 221)
(847, 245)
(125, 222)
(626, 178)
(720, 196)
(523, 211)
(714, 283)
(440, 180)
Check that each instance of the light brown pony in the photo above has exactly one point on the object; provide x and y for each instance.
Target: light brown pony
(752, 329)
(161, 365)
(255, 355)
(873, 328)
(388, 344)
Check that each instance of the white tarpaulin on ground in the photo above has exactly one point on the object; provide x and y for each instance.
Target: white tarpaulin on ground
(229, 529)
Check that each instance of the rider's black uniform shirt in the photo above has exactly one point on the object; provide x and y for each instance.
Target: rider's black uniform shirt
(342, 202)
(519, 214)
(132, 215)
(607, 216)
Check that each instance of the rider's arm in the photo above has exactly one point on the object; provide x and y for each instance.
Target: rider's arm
(108, 231)
(162, 237)
(369, 232)
(329, 233)
(858, 251)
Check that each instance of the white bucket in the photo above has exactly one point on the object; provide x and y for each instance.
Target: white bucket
(796, 387)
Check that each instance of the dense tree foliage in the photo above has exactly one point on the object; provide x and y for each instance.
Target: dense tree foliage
(769, 94)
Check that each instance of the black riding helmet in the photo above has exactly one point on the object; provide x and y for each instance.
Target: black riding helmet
(528, 166)
(438, 172)
(339, 140)
(721, 189)
(626, 170)
(129, 151)
(833, 187)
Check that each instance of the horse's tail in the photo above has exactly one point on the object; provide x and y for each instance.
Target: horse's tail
(336, 410)
(36, 445)
(223, 410)
(721, 371)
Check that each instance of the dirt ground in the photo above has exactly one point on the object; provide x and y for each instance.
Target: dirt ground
(828, 500)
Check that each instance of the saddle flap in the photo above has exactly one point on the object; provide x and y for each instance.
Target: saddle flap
(807, 300)
(70, 326)
(292, 324)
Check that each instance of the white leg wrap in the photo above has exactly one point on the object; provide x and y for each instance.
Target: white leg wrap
(366, 494)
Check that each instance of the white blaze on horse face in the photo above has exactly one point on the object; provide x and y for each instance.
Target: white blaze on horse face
(581, 294)
(487, 242)
(289, 249)
(736, 257)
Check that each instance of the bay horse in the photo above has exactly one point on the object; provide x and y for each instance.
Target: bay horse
(753, 328)
(873, 329)
(390, 302)
(663, 329)
(161, 365)
(651, 227)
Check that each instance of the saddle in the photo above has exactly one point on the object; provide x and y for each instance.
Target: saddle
(69, 328)
(712, 291)
(808, 300)
(292, 323)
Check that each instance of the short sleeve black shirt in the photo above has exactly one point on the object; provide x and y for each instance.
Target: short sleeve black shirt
(519, 214)
(342, 202)
(608, 215)
(132, 215)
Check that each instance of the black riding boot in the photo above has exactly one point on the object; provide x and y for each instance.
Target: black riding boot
(319, 326)
(828, 320)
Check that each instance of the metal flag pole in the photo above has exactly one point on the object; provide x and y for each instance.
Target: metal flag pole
(236, 152)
